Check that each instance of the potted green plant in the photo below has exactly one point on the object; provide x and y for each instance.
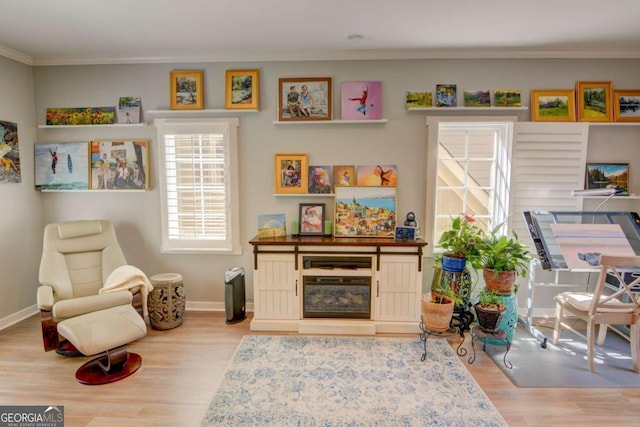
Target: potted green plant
(489, 310)
(461, 245)
(503, 259)
(438, 305)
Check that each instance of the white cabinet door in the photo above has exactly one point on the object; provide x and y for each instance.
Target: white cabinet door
(397, 289)
(276, 287)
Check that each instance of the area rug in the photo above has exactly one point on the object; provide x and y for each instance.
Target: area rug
(348, 381)
(565, 365)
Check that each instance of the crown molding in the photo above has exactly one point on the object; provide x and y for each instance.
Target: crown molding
(15, 55)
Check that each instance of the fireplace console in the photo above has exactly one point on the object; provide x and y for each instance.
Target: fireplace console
(312, 284)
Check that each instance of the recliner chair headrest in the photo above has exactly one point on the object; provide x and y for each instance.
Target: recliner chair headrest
(75, 229)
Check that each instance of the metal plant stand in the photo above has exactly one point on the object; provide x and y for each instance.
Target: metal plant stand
(499, 335)
(425, 333)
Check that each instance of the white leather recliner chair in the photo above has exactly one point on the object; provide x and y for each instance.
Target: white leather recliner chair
(78, 318)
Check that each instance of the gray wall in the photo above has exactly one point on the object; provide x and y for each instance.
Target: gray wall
(401, 141)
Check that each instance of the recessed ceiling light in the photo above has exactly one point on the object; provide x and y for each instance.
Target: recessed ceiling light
(355, 37)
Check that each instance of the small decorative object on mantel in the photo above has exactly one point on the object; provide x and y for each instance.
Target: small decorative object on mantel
(446, 95)
(311, 219)
(626, 105)
(594, 101)
(405, 234)
(507, 98)
(187, 90)
(477, 98)
(81, 116)
(129, 109)
(419, 99)
(242, 90)
(272, 225)
(553, 106)
(9, 153)
(304, 99)
(361, 100)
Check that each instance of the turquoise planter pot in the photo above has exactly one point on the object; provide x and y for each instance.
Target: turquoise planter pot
(454, 265)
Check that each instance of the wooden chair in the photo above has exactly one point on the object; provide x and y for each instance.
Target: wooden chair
(604, 309)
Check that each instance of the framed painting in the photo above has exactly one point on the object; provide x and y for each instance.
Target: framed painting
(507, 98)
(553, 106)
(594, 101)
(311, 219)
(271, 225)
(626, 104)
(62, 166)
(9, 153)
(372, 175)
(119, 165)
(477, 98)
(242, 90)
(291, 173)
(608, 175)
(187, 90)
(361, 100)
(319, 179)
(418, 99)
(344, 175)
(446, 95)
(365, 212)
(81, 116)
(307, 98)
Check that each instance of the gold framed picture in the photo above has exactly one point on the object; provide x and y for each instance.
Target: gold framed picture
(291, 173)
(626, 105)
(187, 90)
(594, 101)
(242, 90)
(553, 106)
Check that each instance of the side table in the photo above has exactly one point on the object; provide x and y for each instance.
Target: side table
(498, 336)
(166, 301)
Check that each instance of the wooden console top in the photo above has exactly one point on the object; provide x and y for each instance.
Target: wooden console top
(335, 241)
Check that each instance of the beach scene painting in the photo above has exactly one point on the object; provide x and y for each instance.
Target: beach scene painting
(61, 166)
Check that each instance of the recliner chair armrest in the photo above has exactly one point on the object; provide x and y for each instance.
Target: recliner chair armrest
(44, 298)
(74, 307)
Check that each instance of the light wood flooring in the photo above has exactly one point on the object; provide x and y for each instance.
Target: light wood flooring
(183, 366)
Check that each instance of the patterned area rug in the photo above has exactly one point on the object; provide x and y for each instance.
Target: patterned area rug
(342, 381)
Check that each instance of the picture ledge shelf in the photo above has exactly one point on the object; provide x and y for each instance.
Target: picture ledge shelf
(93, 126)
(304, 195)
(194, 112)
(443, 109)
(329, 122)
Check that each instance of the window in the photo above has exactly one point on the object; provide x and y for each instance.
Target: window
(199, 182)
(472, 172)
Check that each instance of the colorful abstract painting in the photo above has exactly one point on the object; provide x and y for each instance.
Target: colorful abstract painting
(9, 153)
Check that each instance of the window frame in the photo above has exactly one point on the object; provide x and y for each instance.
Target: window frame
(229, 128)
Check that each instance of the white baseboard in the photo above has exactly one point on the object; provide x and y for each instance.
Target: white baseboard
(14, 318)
(211, 306)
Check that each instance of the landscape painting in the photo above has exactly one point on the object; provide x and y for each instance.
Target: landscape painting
(61, 166)
(365, 212)
(419, 99)
(608, 175)
(477, 98)
(553, 105)
(627, 105)
(507, 98)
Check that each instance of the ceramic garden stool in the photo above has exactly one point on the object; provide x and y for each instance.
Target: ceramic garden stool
(166, 301)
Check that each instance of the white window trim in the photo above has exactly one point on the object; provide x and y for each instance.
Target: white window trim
(433, 124)
(229, 126)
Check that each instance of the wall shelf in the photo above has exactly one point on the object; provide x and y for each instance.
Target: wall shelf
(614, 123)
(198, 112)
(93, 126)
(445, 109)
(329, 122)
(304, 195)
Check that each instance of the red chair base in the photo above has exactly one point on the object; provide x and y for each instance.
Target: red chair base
(114, 366)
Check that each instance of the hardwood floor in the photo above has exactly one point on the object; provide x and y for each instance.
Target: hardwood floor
(183, 366)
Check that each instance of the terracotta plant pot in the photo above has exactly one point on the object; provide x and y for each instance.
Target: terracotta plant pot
(436, 316)
(488, 319)
(501, 283)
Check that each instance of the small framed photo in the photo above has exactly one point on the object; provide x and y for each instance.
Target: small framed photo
(608, 175)
(419, 99)
(304, 99)
(344, 175)
(320, 179)
(626, 105)
(507, 98)
(405, 234)
(594, 101)
(242, 90)
(187, 90)
(291, 173)
(361, 100)
(553, 106)
(311, 219)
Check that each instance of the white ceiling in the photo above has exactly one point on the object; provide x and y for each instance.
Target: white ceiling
(54, 32)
